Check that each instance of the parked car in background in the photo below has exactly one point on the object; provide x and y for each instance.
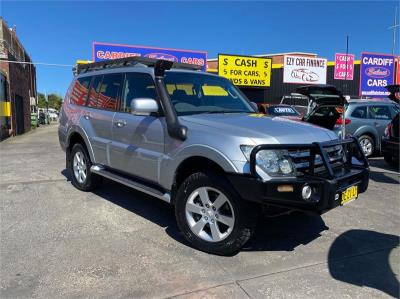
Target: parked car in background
(325, 105)
(367, 120)
(297, 101)
(390, 142)
(53, 114)
(281, 110)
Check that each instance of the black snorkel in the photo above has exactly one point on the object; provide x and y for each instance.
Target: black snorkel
(175, 129)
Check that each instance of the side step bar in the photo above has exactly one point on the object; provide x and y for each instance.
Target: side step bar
(130, 183)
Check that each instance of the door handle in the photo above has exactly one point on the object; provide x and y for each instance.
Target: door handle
(120, 123)
(86, 116)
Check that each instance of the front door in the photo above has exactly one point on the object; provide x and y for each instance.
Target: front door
(138, 140)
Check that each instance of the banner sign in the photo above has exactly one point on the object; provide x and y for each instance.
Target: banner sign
(398, 70)
(304, 70)
(103, 51)
(341, 61)
(245, 70)
(376, 71)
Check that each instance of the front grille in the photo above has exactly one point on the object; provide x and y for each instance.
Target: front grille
(301, 159)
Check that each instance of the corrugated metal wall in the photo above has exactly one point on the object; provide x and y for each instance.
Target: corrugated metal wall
(274, 93)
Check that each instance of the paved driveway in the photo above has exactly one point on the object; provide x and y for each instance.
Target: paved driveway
(59, 242)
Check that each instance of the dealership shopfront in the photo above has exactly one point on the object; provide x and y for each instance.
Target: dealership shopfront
(267, 78)
(366, 77)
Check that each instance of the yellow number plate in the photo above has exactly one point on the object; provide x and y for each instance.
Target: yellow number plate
(349, 194)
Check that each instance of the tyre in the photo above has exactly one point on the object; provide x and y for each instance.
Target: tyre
(79, 165)
(211, 216)
(367, 145)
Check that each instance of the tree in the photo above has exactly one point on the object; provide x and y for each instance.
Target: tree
(55, 100)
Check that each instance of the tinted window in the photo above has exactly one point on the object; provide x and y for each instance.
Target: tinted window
(360, 112)
(379, 112)
(109, 92)
(80, 91)
(94, 91)
(137, 85)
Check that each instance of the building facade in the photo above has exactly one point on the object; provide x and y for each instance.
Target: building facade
(273, 94)
(18, 90)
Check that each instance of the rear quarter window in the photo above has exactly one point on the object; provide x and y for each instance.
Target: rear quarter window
(80, 90)
(359, 112)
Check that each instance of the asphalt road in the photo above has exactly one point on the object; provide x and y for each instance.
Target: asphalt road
(59, 242)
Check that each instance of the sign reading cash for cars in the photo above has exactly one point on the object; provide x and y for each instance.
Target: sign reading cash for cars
(245, 70)
(304, 70)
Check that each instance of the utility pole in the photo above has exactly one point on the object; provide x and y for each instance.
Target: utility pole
(345, 80)
(394, 27)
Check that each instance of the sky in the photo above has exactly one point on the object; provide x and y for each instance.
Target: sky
(63, 32)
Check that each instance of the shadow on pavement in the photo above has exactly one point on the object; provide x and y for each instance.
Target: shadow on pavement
(371, 270)
(380, 163)
(384, 177)
(286, 232)
(278, 233)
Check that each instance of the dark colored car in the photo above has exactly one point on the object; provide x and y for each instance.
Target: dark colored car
(325, 105)
(390, 142)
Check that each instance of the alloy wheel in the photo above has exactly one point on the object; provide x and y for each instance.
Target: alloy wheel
(79, 167)
(366, 146)
(209, 214)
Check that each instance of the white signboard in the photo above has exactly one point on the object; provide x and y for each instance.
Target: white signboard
(304, 70)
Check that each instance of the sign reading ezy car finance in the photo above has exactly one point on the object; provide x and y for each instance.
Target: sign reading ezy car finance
(245, 70)
(343, 61)
(376, 72)
(304, 70)
(104, 51)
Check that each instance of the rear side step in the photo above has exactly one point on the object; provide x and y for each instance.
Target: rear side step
(130, 183)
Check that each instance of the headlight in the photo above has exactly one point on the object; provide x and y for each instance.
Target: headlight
(273, 162)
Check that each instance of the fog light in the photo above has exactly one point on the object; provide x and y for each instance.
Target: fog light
(306, 192)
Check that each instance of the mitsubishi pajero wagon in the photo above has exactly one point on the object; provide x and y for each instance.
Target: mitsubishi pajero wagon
(194, 140)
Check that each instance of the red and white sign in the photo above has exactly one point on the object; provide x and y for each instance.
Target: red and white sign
(304, 70)
(341, 62)
(398, 70)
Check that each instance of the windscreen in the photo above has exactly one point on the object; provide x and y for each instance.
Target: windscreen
(195, 93)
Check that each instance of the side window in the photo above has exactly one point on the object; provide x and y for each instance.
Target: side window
(109, 91)
(80, 91)
(396, 109)
(137, 85)
(379, 112)
(94, 91)
(360, 112)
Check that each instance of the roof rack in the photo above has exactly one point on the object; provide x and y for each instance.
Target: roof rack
(128, 61)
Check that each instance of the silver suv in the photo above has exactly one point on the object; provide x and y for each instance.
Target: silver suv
(367, 120)
(193, 140)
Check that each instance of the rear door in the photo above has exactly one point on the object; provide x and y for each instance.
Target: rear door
(138, 140)
(101, 106)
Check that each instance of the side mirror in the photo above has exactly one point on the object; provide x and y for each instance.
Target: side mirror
(255, 106)
(144, 106)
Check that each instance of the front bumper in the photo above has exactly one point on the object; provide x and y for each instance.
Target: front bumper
(327, 186)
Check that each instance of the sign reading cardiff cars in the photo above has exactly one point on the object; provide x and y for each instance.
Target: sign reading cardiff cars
(376, 72)
(103, 51)
(245, 70)
(341, 62)
(304, 70)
